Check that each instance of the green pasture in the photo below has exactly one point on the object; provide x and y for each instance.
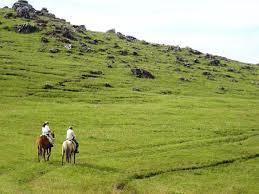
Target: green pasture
(165, 135)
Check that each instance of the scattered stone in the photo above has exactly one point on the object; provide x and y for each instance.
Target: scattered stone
(95, 42)
(192, 51)
(8, 15)
(196, 61)
(44, 40)
(136, 89)
(173, 48)
(48, 86)
(166, 92)
(67, 33)
(96, 72)
(116, 45)
(141, 73)
(184, 79)
(80, 28)
(130, 38)
(120, 35)
(207, 73)
(87, 38)
(54, 50)
(179, 59)
(113, 31)
(41, 23)
(109, 65)
(68, 47)
(6, 28)
(119, 186)
(25, 28)
(187, 65)
(144, 42)
(107, 85)
(123, 52)
(248, 67)
(85, 48)
(110, 57)
(215, 62)
(231, 69)
(135, 53)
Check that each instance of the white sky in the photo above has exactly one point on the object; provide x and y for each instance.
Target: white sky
(228, 28)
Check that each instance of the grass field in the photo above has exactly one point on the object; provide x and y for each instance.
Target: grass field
(199, 134)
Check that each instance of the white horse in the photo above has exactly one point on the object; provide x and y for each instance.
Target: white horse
(68, 148)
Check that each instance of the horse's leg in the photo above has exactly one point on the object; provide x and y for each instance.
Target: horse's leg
(67, 156)
(44, 154)
(62, 157)
(49, 153)
(74, 157)
(39, 153)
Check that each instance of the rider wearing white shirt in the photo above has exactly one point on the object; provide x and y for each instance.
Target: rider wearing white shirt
(47, 132)
(72, 137)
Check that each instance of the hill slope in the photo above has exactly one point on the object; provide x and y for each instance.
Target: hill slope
(149, 118)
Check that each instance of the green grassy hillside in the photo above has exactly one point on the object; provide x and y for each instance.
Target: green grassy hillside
(192, 129)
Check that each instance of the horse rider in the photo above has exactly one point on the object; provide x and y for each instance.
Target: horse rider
(47, 132)
(72, 137)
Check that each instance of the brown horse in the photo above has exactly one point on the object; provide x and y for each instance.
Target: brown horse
(68, 148)
(44, 147)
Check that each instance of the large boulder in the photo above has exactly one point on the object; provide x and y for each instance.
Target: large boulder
(25, 28)
(24, 9)
(141, 73)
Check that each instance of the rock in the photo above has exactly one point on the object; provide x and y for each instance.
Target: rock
(95, 42)
(44, 40)
(184, 79)
(141, 73)
(54, 50)
(85, 48)
(41, 23)
(173, 48)
(187, 65)
(24, 9)
(25, 28)
(67, 33)
(123, 52)
(96, 72)
(68, 47)
(107, 85)
(116, 45)
(45, 12)
(215, 62)
(136, 89)
(135, 53)
(231, 69)
(120, 35)
(80, 28)
(196, 61)
(130, 38)
(110, 57)
(113, 31)
(48, 86)
(8, 15)
(109, 65)
(179, 59)
(195, 52)
(207, 73)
